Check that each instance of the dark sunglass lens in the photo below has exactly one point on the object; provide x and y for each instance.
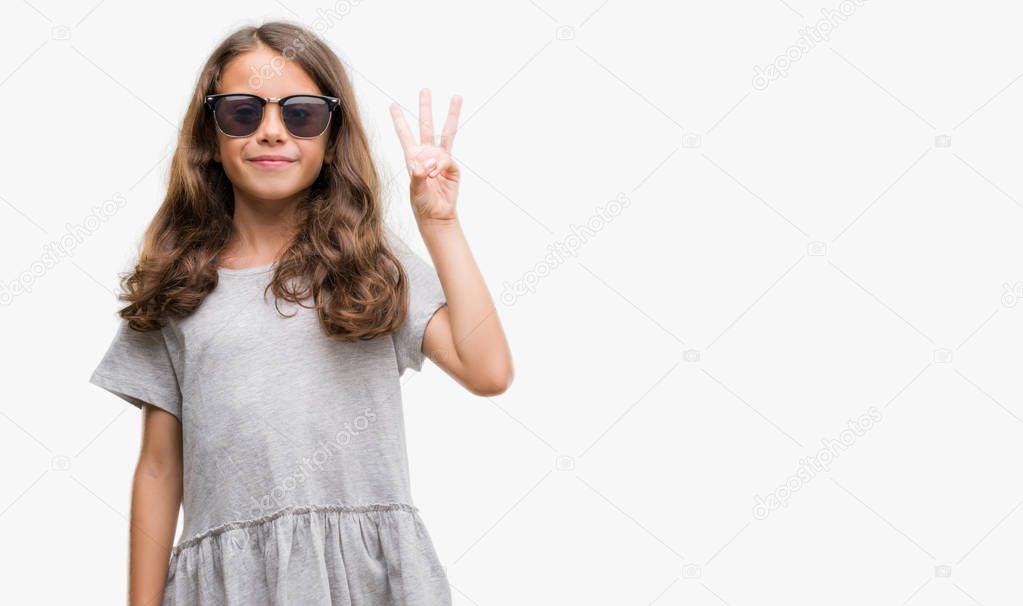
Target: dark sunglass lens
(306, 116)
(238, 116)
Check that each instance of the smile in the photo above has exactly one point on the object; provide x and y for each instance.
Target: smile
(271, 163)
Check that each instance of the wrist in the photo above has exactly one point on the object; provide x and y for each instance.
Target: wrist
(438, 226)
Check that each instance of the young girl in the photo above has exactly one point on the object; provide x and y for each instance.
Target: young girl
(268, 320)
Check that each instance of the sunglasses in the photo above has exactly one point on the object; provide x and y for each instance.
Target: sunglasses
(239, 114)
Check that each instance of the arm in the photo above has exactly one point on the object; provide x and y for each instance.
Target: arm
(155, 499)
(464, 337)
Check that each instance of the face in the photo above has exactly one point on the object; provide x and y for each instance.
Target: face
(269, 181)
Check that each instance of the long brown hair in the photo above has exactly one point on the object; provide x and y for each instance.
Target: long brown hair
(339, 258)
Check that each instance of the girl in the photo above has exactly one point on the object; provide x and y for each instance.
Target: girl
(276, 421)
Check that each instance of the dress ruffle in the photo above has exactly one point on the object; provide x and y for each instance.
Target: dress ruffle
(330, 555)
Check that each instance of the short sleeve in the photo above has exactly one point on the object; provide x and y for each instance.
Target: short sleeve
(426, 296)
(137, 368)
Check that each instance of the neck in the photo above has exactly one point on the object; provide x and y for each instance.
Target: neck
(262, 228)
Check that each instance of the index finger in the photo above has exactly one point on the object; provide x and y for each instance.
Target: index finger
(404, 134)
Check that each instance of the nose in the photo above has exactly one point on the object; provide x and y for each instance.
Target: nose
(271, 128)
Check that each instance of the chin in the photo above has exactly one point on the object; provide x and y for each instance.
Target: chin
(266, 191)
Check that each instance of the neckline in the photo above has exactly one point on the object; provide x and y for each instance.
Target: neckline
(256, 269)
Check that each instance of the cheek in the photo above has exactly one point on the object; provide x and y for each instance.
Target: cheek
(231, 154)
(313, 151)
(312, 157)
(228, 150)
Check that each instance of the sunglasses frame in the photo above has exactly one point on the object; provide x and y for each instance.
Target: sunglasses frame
(211, 102)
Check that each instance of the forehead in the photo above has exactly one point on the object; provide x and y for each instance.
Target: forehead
(267, 73)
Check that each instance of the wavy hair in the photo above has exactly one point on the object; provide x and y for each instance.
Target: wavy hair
(339, 258)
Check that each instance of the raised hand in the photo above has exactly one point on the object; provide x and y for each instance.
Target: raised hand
(434, 174)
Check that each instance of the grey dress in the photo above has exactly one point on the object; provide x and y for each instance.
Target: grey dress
(296, 481)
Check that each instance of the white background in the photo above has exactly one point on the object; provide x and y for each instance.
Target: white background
(844, 242)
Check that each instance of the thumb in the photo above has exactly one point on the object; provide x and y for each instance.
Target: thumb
(417, 171)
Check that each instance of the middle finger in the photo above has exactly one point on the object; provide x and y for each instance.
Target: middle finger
(425, 118)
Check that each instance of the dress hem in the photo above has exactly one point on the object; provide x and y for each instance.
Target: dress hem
(220, 529)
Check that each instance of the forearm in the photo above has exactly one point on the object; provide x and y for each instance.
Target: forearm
(476, 332)
(156, 498)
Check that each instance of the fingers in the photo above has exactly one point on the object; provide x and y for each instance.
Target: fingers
(440, 161)
(435, 166)
(425, 118)
(404, 134)
(431, 162)
(447, 136)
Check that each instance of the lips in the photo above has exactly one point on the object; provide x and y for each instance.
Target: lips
(271, 159)
(268, 162)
